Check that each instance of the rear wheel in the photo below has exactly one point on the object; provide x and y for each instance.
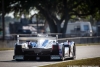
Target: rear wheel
(74, 52)
(63, 53)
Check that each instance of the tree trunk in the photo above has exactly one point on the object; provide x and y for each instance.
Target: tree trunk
(65, 24)
(66, 17)
(58, 25)
(3, 19)
(53, 27)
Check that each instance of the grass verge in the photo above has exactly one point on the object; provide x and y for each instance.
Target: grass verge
(2, 49)
(87, 44)
(91, 62)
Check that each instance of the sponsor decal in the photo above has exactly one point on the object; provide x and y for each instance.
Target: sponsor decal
(45, 43)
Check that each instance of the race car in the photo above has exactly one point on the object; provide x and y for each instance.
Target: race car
(43, 47)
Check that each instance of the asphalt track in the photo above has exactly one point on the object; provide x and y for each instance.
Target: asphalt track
(82, 52)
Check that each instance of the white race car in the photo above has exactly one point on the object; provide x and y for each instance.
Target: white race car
(43, 47)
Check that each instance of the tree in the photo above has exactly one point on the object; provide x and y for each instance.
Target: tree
(65, 8)
(52, 9)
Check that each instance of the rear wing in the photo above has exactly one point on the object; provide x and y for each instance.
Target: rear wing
(35, 38)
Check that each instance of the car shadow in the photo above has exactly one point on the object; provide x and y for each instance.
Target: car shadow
(31, 60)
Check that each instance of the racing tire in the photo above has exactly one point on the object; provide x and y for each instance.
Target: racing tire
(74, 52)
(63, 53)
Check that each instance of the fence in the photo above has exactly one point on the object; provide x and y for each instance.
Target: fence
(83, 40)
(79, 40)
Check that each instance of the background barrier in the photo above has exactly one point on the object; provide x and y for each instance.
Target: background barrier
(9, 42)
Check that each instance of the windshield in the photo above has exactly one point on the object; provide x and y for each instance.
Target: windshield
(86, 27)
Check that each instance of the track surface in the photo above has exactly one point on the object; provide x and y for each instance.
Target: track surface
(82, 52)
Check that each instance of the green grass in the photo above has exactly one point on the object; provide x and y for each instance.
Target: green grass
(87, 44)
(6, 45)
(2, 49)
(92, 62)
(5, 48)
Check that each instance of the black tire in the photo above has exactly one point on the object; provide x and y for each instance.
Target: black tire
(74, 52)
(63, 53)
